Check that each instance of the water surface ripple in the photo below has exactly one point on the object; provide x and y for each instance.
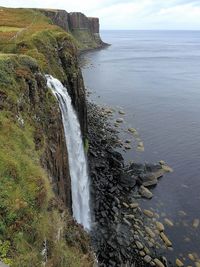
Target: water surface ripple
(154, 76)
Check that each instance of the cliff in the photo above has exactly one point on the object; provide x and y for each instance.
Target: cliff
(84, 29)
(34, 171)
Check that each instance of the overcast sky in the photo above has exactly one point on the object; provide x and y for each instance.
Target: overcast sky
(127, 14)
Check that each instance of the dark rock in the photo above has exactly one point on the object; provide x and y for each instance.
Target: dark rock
(92, 153)
(152, 167)
(127, 181)
(114, 162)
(113, 189)
(137, 168)
(113, 245)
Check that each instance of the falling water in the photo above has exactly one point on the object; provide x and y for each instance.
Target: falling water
(77, 159)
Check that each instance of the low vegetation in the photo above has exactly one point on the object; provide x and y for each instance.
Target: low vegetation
(34, 226)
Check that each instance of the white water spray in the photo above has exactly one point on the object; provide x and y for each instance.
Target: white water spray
(77, 159)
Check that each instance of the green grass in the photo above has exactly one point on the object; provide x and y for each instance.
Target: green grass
(24, 187)
(9, 29)
(40, 40)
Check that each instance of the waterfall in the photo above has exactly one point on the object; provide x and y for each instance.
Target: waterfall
(76, 154)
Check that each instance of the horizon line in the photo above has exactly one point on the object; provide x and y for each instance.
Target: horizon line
(149, 29)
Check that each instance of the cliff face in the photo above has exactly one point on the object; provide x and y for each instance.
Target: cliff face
(55, 157)
(94, 25)
(33, 160)
(84, 29)
(33, 153)
(58, 17)
(79, 21)
(56, 54)
(36, 106)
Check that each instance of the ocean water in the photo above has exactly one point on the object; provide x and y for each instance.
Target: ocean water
(154, 76)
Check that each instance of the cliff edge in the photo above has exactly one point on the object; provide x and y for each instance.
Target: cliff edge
(35, 192)
(86, 30)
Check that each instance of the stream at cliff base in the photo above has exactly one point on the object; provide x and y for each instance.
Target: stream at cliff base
(154, 78)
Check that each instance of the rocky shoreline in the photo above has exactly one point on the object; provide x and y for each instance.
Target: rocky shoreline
(123, 234)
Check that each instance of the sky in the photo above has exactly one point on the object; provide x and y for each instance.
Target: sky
(128, 15)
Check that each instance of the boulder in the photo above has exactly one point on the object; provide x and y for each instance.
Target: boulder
(179, 263)
(132, 130)
(191, 257)
(127, 147)
(134, 205)
(168, 222)
(139, 245)
(150, 232)
(158, 263)
(148, 213)
(140, 147)
(140, 144)
(127, 180)
(166, 240)
(160, 226)
(196, 223)
(166, 168)
(147, 259)
(125, 205)
(147, 180)
(129, 216)
(127, 222)
(120, 120)
(142, 253)
(151, 175)
(152, 167)
(137, 168)
(146, 193)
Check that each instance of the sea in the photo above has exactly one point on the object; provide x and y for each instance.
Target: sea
(154, 77)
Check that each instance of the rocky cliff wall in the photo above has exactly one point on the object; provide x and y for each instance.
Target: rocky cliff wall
(84, 29)
(59, 17)
(33, 152)
(36, 106)
(94, 25)
(78, 20)
(55, 52)
(59, 54)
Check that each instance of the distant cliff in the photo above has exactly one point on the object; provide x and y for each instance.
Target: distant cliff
(84, 29)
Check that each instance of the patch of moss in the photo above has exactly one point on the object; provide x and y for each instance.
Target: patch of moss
(86, 145)
(24, 187)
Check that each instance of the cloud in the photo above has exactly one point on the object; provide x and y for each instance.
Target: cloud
(128, 14)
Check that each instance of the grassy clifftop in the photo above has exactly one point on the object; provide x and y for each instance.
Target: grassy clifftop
(35, 226)
(28, 32)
